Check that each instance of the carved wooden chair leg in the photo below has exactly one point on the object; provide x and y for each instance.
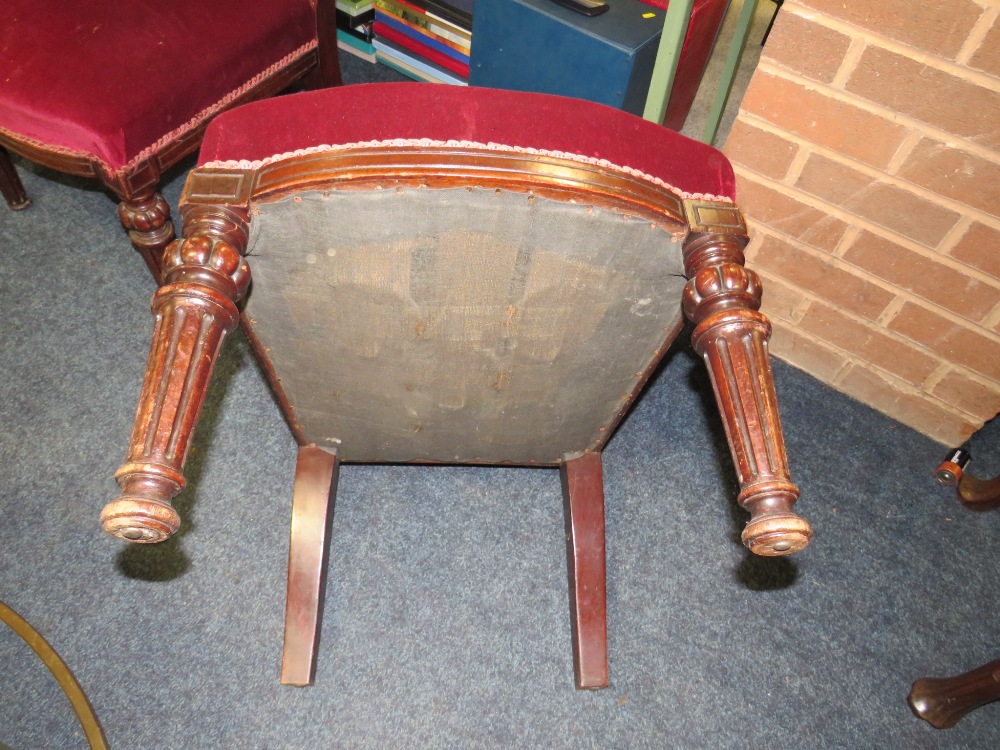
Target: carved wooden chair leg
(147, 220)
(974, 493)
(944, 701)
(722, 298)
(312, 503)
(10, 183)
(583, 496)
(205, 276)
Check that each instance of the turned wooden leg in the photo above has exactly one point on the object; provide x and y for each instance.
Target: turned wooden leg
(10, 184)
(205, 276)
(974, 493)
(583, 496)
(731, 336)
(312, 505)
(943, 702)
(147, 220)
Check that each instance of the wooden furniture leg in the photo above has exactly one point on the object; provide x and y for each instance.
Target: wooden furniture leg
(147, 221)
(326, 74)
(974, 493)
(944, 701)
(204, 277)
(722, 298)
(312, 504)
(583, 496)
(10, 184)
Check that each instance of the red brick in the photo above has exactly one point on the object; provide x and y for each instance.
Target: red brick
(940, 99)
(980, 248)
(868, 343)
(829, 122)
(922, 414)
(956, 174)
(882, 203)
(987, 57)
(823, 279)
(923, 276)
(807, 48)
(937, 27)
(954, 343)
(806, 353)
(765, 153)
(971, 396)
(788, 215)
(781, 301)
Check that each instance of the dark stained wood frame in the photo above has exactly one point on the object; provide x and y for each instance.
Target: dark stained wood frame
(205, 279)
(313, 499)
(143, 212)
(942, 702)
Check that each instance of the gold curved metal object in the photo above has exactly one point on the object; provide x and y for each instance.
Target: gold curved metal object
(81, 706)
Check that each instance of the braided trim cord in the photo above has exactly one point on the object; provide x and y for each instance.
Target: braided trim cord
(430, 143)
(178, 132)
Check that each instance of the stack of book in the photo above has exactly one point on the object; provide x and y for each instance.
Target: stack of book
(354, 27)
(429, 40)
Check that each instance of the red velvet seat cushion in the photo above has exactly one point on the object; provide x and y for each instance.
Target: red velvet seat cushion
(387, 111)
(110, 78)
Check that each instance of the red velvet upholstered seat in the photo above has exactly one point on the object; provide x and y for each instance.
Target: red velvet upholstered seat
(122, 90)
(381, 112)
(112, 79)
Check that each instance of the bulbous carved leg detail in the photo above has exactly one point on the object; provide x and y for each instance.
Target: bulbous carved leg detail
(731, 336)
(147, 220)
(195, 309)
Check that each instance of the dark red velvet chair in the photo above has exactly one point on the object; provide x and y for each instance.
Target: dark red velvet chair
(122, 90)
(455, 275)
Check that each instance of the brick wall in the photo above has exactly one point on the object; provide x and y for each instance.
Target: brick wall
(867, 152)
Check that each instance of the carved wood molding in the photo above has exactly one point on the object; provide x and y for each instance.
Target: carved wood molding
(439, 167)
(205, 276)
(722, 299)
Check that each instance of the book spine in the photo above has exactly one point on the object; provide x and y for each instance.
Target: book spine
(448, 12)
(438, 58)
(421, 36)
(418, 17)
(420, 69)
(354, 8)
(352, 50)
(350, 40)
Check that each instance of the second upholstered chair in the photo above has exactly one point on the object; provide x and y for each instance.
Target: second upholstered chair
(454, 275)
(121, 91)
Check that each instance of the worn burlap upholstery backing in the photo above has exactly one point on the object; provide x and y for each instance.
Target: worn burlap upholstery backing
(458, 324)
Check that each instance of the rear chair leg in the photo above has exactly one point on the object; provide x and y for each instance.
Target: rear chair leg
(312, 505)
(583, 495)
(10, 184)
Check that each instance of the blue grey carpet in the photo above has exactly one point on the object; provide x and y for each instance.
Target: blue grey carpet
(446, 620)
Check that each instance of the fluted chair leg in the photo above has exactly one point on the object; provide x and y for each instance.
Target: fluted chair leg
(194, 310)
(722, 298)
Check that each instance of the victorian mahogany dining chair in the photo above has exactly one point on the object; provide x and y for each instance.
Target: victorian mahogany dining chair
(121, 91)
(455, 275)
